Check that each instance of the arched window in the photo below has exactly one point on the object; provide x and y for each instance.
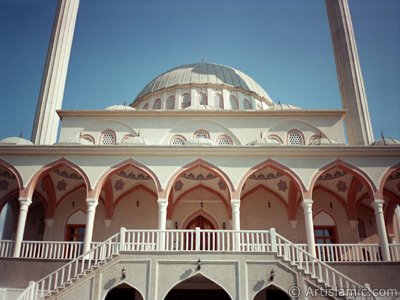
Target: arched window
(202, 99)
(170, 103)
(107, 137)
(146, 106)
(234, 102)
(157, 104)
(218, 101)
(295, 137)
(201, 134)
(224, 140)
(247, 104)
(178, 140)
(186, 101)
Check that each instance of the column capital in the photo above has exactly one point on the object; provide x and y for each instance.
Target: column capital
(235, 202)
(25, 201)
(307, 205)
(378, 205)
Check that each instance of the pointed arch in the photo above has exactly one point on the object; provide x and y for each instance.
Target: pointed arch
(121, 284)
(125, 163)
(52, 166)
(324, 211)
(197, 274)
(282, 294)
(204, 164)
(197, 213)
(139, 187)
(384, 178)
(14, 171)
(356, 171)
(265, 189)
(276, 166)
(171, 206)
(8, 197)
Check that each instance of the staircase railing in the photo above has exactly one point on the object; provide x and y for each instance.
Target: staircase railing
(193, 240)
(72, 270)
(319, 270)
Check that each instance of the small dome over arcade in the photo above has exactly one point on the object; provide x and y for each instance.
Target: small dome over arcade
(283, 106)
(136, 140)
(119, 107)
(15, 140)
(386, 141)
(200, 107)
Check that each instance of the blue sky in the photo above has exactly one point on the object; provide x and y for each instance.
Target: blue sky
(121, 45)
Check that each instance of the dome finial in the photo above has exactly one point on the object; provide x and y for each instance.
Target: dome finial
(20, 134)
(203, 60)
(383, 137)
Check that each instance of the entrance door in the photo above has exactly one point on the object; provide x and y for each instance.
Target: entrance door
(206, 239)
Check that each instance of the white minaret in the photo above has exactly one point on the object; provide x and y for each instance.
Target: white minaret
(358, 123)
(46, 122)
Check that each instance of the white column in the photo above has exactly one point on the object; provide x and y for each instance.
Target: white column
(380, 224)
(91, 212)
(46, 122)
(308, 218)
(235, 205)
(23, 213)
(162, 213)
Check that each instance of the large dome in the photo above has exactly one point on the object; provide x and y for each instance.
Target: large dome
(204, 74)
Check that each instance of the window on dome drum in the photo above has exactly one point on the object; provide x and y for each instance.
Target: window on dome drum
(201, 134)
(218, 101)
(170, 103)
(295, 138)
(146, 106)
(224, 140)
(108, 138)
(234, 102)
(178, 140)
(203, 99)
(247, 104)
(186, 101)
(157, 104)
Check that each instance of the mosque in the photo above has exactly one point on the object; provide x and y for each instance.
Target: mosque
(202, 188)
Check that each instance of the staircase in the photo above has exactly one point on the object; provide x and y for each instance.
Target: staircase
(317, 272)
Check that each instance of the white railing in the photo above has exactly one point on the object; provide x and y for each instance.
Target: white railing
(51, 250)
(196, 240)
(349, 252)
(188, 240)
(73, 270)
(394, 252)
(6, 248)
(316, 268)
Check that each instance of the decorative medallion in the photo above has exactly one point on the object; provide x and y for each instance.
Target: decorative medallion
(4, 185)
(341, 186)
(178, 185)
(133, 176)
(222, 185)
(119, 185)
(200, 176)
(65, 174)
(262, 176)
(282, 186)
(61, 185)
(334, 175)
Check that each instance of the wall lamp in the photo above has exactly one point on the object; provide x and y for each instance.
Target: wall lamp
(123, 273)
(271, 275)
(198, 268)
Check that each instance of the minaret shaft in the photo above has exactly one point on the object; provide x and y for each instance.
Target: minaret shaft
(358, 123)
(45, 127)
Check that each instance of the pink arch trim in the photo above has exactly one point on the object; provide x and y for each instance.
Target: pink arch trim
(208, 166)
(385, 177)
(278, 167)
(54, 165)
(360, 174)
(199, 212)
(129, 162)
(14, 171)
